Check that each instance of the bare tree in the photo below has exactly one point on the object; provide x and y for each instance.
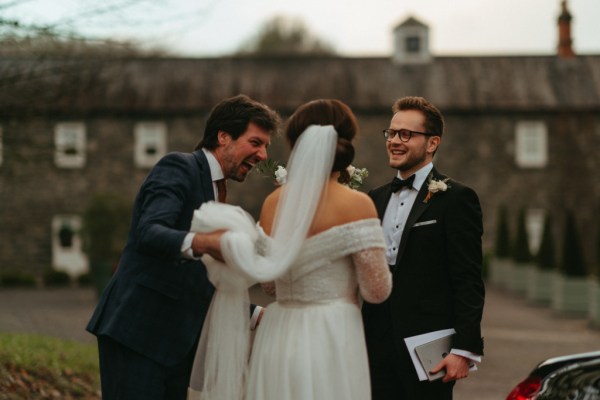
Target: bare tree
(88, 25)
(46, 63)
(62, 37)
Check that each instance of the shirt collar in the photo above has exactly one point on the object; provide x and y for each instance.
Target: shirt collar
(216, 172)
(420, 175)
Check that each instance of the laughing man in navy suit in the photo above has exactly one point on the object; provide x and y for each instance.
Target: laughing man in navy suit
(150, 315)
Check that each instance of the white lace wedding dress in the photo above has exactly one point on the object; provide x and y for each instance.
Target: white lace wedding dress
(310, 342)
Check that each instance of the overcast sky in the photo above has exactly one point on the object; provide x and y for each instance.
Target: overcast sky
(352, 27)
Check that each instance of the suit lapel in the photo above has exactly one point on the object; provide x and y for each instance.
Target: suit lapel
(382, 200)
(416, 211)
(205, 177)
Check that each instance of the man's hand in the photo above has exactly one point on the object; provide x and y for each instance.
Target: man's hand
(208, 243)
(457, 367)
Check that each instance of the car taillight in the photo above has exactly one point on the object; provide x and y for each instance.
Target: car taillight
(526, 390)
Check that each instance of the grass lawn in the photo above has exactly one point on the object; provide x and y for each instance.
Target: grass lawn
(39, 367)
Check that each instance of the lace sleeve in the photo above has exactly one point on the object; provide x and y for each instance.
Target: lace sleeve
(262, 243)
(373, 274)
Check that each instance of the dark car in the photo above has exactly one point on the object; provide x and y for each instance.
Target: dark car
(572, 377)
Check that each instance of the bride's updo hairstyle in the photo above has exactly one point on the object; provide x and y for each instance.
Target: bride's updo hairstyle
(327, 112)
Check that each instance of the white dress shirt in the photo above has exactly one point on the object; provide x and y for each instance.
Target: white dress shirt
(397, 212)
(216, 173)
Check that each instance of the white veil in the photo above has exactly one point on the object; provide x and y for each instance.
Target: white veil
(220, 363)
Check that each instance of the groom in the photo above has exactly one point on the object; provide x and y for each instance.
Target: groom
(433, 227)
(150, 315)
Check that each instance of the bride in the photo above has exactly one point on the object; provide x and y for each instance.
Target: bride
(319, 248)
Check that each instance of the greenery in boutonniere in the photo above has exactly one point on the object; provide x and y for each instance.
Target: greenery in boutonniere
(434, 186)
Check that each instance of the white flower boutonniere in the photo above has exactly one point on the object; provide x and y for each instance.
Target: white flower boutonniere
(435, 186)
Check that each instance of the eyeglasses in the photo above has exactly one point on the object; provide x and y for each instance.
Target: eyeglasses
(403, 134)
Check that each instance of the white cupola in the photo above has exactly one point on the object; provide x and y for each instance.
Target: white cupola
(411, 42)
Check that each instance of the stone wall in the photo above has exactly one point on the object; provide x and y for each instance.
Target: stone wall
(477, 149)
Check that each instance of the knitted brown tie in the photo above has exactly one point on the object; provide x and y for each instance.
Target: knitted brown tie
(222, 190)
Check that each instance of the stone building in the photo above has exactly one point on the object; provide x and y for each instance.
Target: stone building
(524, 131)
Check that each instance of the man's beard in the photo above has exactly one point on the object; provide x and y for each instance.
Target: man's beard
(240, 176)
(411, 162)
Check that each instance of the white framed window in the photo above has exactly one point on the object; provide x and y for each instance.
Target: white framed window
(534, 224)
(67, 248)
(69, 145)
(531, 138)
(150, 143)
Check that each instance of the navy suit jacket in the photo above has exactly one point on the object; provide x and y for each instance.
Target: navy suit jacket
(437, 282)
(156, 302)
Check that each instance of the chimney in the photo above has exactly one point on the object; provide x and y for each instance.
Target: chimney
(565, 49)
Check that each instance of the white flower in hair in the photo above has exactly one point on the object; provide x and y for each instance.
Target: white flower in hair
(357, 176)
(280, 175)
(272, 169)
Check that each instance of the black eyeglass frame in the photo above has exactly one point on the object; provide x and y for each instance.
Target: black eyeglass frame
(390, 134)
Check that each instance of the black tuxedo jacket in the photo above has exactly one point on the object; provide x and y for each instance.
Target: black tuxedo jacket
(156, 302)
(437, 282)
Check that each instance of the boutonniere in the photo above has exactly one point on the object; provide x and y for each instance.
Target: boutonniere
(434, 186)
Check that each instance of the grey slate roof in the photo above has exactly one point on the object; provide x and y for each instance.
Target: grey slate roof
(461, 84)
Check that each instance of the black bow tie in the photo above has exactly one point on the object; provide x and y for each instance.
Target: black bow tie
(398, 184)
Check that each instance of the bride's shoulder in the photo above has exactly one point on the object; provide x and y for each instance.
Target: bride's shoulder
(357, 205)
(272, 198)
